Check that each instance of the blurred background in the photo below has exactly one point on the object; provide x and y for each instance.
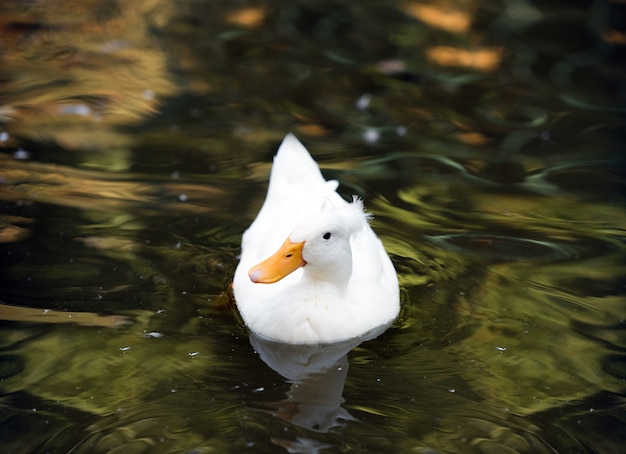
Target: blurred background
(487, 139)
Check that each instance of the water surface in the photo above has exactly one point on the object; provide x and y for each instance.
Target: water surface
(486, 139)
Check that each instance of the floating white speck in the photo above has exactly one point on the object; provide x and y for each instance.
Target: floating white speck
(401, 130)
(124, 349)
(4, 136)
(21, 154)
(364, 101)
(371, 135)
(192, 354)
(75, 109)
(153, 334)
(45, 311)
(501, 349)
(258, 390)
(182, 197)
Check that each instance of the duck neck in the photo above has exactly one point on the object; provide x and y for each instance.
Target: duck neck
(334, 279)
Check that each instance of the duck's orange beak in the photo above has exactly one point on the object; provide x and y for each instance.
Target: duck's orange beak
(284, 261)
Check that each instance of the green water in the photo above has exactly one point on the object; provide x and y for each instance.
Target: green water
(486, 138)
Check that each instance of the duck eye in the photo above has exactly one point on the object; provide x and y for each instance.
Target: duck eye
(326, 236)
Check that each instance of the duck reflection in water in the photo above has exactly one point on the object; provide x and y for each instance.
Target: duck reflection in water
(317, 374)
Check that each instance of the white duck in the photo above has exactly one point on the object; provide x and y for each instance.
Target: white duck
(331, 279)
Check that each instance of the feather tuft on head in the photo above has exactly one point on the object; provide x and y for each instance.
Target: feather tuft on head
(358, 201)
(354, 216)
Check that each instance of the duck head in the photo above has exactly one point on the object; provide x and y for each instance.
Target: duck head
(321, 244)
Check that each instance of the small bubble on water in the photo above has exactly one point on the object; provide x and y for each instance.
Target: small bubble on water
(364, 101)
(124, 349)
(21, 154)
(4, 136)
(371, 135)
(182, 197)
(76, 109)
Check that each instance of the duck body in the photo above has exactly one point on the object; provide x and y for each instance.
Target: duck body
(311, 269)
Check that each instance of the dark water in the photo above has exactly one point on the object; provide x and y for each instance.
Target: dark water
(486, 138)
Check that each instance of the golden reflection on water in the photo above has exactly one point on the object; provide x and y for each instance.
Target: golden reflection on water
(75, 72)
(482, 59)
(446, 17)
(30, 182)
(250, 16)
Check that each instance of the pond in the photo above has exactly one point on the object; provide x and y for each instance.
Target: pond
(486, 138)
